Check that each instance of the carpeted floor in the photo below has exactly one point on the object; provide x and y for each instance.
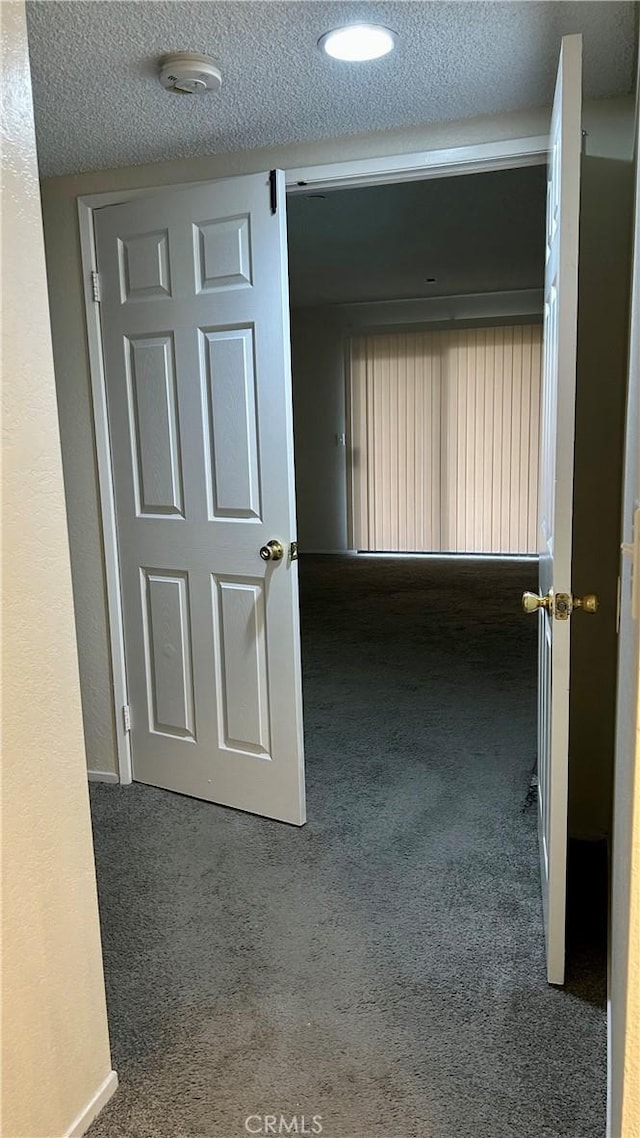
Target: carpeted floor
(383, 966)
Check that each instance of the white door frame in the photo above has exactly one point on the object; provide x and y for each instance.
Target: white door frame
(626, 817)
(478, 159)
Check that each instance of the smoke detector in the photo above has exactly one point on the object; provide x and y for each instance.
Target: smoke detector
(187, 73)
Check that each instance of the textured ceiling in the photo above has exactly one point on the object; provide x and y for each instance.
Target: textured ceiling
(483, 233)
(99, 103)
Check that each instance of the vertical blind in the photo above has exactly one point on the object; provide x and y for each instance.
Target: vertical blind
(444, 440)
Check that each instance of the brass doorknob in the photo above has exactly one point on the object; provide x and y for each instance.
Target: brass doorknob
(588, 603)
(272, 551)
(561, 605)
(531, 602)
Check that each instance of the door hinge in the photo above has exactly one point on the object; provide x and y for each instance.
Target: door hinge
(95, 286)
(632, 549)
(126, 716)
(273, 190)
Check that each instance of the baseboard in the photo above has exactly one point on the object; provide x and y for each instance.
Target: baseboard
(103, 776)
(93, 1107)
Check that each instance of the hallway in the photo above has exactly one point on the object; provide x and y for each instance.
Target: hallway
(382, 967)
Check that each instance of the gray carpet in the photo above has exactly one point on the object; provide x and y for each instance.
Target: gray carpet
(383, 966)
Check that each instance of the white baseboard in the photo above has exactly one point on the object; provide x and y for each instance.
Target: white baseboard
(103, 776)
(104, 1092)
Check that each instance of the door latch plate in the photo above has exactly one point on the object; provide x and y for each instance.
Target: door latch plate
(562, 606)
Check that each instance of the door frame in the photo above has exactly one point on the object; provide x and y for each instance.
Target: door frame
(481, 158)
(624, 942)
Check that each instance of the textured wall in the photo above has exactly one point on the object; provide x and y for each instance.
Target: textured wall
(56, 1053)
(610, 125)
(631, 1098)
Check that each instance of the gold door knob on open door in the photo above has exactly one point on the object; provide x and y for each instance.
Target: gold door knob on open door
(531, 602)
(561, 605)
(272, 551)
(588, 603)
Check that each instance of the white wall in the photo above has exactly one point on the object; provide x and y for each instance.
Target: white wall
(56, 1046)
(610, 126)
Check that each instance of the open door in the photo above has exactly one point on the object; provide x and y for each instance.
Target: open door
(195, 329)
(555, 602)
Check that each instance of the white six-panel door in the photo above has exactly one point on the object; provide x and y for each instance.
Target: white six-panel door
(556, 492)
(194, 313)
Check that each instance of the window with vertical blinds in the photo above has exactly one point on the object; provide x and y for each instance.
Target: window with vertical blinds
(444, 440)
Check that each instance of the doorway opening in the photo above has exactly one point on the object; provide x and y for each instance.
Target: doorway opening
(417, 332)
(419, 673)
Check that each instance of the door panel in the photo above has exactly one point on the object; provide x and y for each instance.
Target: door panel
(223, 254)
(144, 266)
(155, 435)
(241, 651)
(167, 622)
(233, 467)
(556, 493)
(194, 316)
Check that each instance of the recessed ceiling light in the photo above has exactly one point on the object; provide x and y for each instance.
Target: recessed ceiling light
(357, 43)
